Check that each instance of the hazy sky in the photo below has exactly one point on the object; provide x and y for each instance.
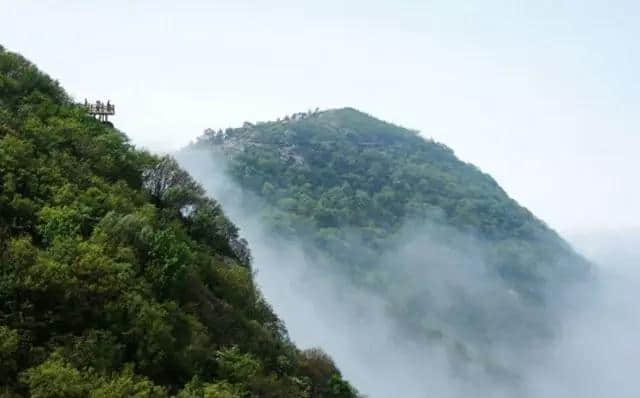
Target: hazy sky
(544, 95)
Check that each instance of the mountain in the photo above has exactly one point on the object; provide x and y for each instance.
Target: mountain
(454, 257)
(118, 276)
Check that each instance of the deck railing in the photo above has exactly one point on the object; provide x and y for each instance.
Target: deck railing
(100, 109)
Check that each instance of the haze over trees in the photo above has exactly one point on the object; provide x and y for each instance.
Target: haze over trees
(401, 216)
(118, 276)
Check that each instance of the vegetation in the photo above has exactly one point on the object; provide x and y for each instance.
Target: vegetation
(341, 173)
(355, 187)
(118, 277)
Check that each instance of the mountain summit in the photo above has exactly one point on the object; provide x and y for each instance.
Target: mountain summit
(453, 256)
(341, 169)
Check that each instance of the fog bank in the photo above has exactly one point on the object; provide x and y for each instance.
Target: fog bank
(591, 352)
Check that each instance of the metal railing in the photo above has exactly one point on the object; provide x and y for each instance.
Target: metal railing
(100, 109)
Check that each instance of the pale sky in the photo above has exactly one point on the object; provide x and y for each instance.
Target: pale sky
(543, 95)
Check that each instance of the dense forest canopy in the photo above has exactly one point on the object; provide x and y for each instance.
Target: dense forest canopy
(356, 189)
(118, 276)
(343, 170)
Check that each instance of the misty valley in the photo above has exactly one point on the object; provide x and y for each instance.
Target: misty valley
(324, 254)
(405, 261)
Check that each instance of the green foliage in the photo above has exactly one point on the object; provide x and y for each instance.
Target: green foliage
(325, 377)
(9, 340)
(355, 189)
(351, 182)
(57, 378)
(237, 366)
(222, 390)
(118, 276)
(339, 388)
(196, 389)
(127, 384)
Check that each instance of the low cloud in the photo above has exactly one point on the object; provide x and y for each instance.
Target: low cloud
(485, 338)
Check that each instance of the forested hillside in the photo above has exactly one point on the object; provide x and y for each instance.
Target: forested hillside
(118, 276)
(395, 212)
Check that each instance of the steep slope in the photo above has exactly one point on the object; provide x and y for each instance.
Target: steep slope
(118, 277)
(404, 217)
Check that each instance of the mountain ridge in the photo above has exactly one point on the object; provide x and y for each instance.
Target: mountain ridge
(118, 276)
(351, 127)
(365, 196)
